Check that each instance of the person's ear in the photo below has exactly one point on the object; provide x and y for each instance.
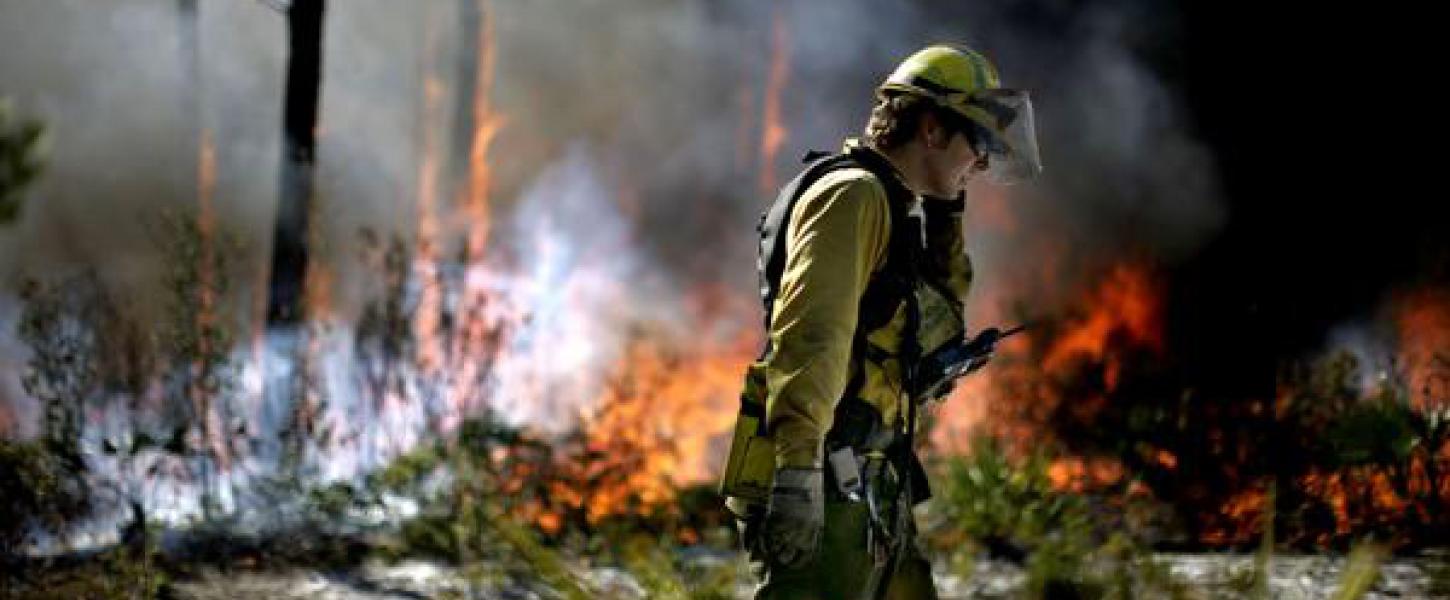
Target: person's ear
(932, 131)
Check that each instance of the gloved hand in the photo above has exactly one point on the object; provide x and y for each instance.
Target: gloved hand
(795, 517)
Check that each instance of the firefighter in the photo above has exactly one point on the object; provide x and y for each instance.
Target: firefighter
(863, 270)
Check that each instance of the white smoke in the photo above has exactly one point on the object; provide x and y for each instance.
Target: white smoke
(653, 106)
(576, 284)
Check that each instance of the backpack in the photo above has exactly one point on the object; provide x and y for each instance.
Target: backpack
(750, 467)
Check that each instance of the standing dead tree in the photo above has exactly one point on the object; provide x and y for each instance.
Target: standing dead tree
(299, 151)
(287, 278)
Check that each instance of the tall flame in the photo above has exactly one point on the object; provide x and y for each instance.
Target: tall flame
(474, 339)
(206, 316)
(1124, 304)
(1011, 397)
(428, 316)
(773, 131)
(486, 125)
(317, 303)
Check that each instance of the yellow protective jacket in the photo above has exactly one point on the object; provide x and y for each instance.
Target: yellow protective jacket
(836, 241)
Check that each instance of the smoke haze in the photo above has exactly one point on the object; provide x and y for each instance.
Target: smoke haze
(629, 150)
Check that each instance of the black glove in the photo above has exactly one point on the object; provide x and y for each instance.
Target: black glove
(795, 517)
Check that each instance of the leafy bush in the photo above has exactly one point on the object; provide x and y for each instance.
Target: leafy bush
(1009, 507)
(70, 367)
(42, 494)
(992, 498)
(989, 500)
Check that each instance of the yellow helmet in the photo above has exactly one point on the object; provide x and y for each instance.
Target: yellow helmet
(965, 82)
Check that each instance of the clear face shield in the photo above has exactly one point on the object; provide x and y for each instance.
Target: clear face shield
(1011, 148)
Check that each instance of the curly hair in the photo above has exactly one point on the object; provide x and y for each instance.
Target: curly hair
(897, 115)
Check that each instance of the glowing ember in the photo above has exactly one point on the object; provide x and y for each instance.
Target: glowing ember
(1166, 459)
(1245, 511)
(1078, 474)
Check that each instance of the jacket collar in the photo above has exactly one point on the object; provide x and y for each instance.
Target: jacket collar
(855, 146)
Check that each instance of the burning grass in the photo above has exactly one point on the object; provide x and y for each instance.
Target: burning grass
(624, 484)
(619, 489)
(1352, 453)
(506, 505)
(491, 499)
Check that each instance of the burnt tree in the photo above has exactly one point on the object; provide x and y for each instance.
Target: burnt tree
(299, 151)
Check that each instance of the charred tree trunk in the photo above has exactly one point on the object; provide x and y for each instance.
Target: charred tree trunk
(287, 369)
(299, 149)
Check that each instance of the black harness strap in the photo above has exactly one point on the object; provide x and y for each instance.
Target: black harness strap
(857, 424)
(775, 221)
(892, 286)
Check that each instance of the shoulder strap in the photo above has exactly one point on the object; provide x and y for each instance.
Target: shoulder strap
(775, 221)
(885, 293)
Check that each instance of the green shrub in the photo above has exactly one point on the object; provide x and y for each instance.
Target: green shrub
(41, 494)
(1072, 545)
(998, 502)
(989, 496)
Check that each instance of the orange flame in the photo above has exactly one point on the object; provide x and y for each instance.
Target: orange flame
(1077, 474)
(773, 133)
(1166, 459)
(427, 318)
(665, 411)
(1422, 319)
(206, 310)
(1356, 498)
(1371, 496)
(1013, 395)
(1124, 304)
(487, 124)
(1245, 511)
(473, 339)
